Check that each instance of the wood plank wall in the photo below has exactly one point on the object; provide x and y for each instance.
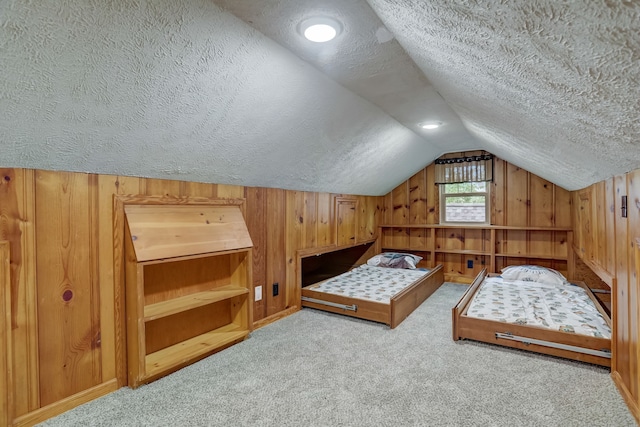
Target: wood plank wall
(606, 242)
(517, 197)
(59, 228)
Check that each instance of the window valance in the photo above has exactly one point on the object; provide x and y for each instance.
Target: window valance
(452, 170)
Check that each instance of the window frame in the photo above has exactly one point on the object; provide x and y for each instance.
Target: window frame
(487, 203)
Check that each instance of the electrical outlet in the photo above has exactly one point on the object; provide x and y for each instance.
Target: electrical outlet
(276, 289)
(469, 263)
(258, 293)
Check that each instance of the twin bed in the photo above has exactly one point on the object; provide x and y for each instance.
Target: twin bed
(526, 307)
(534, 308)
(386, 289)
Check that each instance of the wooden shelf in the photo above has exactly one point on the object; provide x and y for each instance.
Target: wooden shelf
(441, 244)
(477, 227)
(461, 252)
(187, 282)
(538, 256)
(179, 354)
(187, 302)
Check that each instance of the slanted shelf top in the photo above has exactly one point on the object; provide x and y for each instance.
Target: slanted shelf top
(171, 231)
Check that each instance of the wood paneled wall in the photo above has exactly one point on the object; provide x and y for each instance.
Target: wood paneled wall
(606, 242)
(66, 342)
(517, 198)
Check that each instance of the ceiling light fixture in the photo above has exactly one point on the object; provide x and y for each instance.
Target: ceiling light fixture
(430, 125)
(320, 29)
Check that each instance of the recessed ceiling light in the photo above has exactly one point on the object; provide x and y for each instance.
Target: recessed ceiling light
(430, 125)
(320, 29)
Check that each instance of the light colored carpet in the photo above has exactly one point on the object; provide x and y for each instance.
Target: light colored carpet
(319, 369)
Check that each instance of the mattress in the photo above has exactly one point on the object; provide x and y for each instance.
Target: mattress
(371, 283)
(565, 308)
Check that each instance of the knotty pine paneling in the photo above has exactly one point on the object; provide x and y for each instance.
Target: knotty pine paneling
(70, 340)
(17, 219)
(518, 204)
(276, 268)
(69, 357)
(633, 219)
(256, 224)
(6, 345)
(517, 197)
(606, 242)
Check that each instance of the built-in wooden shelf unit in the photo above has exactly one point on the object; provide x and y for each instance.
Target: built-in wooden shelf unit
(494, 246)
(187, 280)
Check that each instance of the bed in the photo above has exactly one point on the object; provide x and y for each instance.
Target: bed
(516, 310)
(375, 291)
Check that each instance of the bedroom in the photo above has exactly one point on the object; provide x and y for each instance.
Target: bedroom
(67, 151)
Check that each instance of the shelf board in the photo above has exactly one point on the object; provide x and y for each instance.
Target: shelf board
(187, 302)
(538, 256)
(399, 249)
(462, 252)
(185, 351)
(476, 227)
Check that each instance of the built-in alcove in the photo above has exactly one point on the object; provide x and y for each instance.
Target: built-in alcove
(187, 283)
(320, 264)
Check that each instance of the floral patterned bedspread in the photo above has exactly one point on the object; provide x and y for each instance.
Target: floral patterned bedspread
(566, 308)
(370, 283)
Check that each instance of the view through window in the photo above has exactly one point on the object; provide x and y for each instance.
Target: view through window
(464, 202)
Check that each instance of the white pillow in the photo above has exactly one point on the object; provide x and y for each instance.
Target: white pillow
(395, 260)
(534, 273)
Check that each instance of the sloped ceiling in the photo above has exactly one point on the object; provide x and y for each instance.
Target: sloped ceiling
(189, 91)
(552, 86)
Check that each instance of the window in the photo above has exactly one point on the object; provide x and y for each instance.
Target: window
(464, 202)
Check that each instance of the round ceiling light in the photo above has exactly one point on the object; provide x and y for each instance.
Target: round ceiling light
(430, 125)
(320, 30)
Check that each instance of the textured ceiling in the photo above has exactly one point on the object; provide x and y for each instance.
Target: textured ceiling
(192, 91)
(552, 86)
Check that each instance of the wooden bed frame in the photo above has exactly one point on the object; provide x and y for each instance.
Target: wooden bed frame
(401, 305)
(532, 338)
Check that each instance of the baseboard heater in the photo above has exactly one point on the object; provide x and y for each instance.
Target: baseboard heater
(352, 307)
(600, 353)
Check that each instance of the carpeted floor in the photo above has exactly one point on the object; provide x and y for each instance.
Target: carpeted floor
(319, 369)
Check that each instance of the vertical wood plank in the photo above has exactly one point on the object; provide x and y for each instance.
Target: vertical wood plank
(622, 364)
(64, 286)
(400, 215)
(599, 221)
(633, 220)
(418, 209)
(541, 214)
(94, 275)
(562, 207)
(17, 211)
(367, 218)
(346, 226)
(276, 255)
(517, 200)
(386, 210)
(310, 212)
(123, 186)
(498, 193)
(256, 224)
(541, 205)
(432, 194)
(198, 189)
(160, 187)
(294, 221)
(6, 348)
(230, 191)
(324, 226)
(610, 262)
